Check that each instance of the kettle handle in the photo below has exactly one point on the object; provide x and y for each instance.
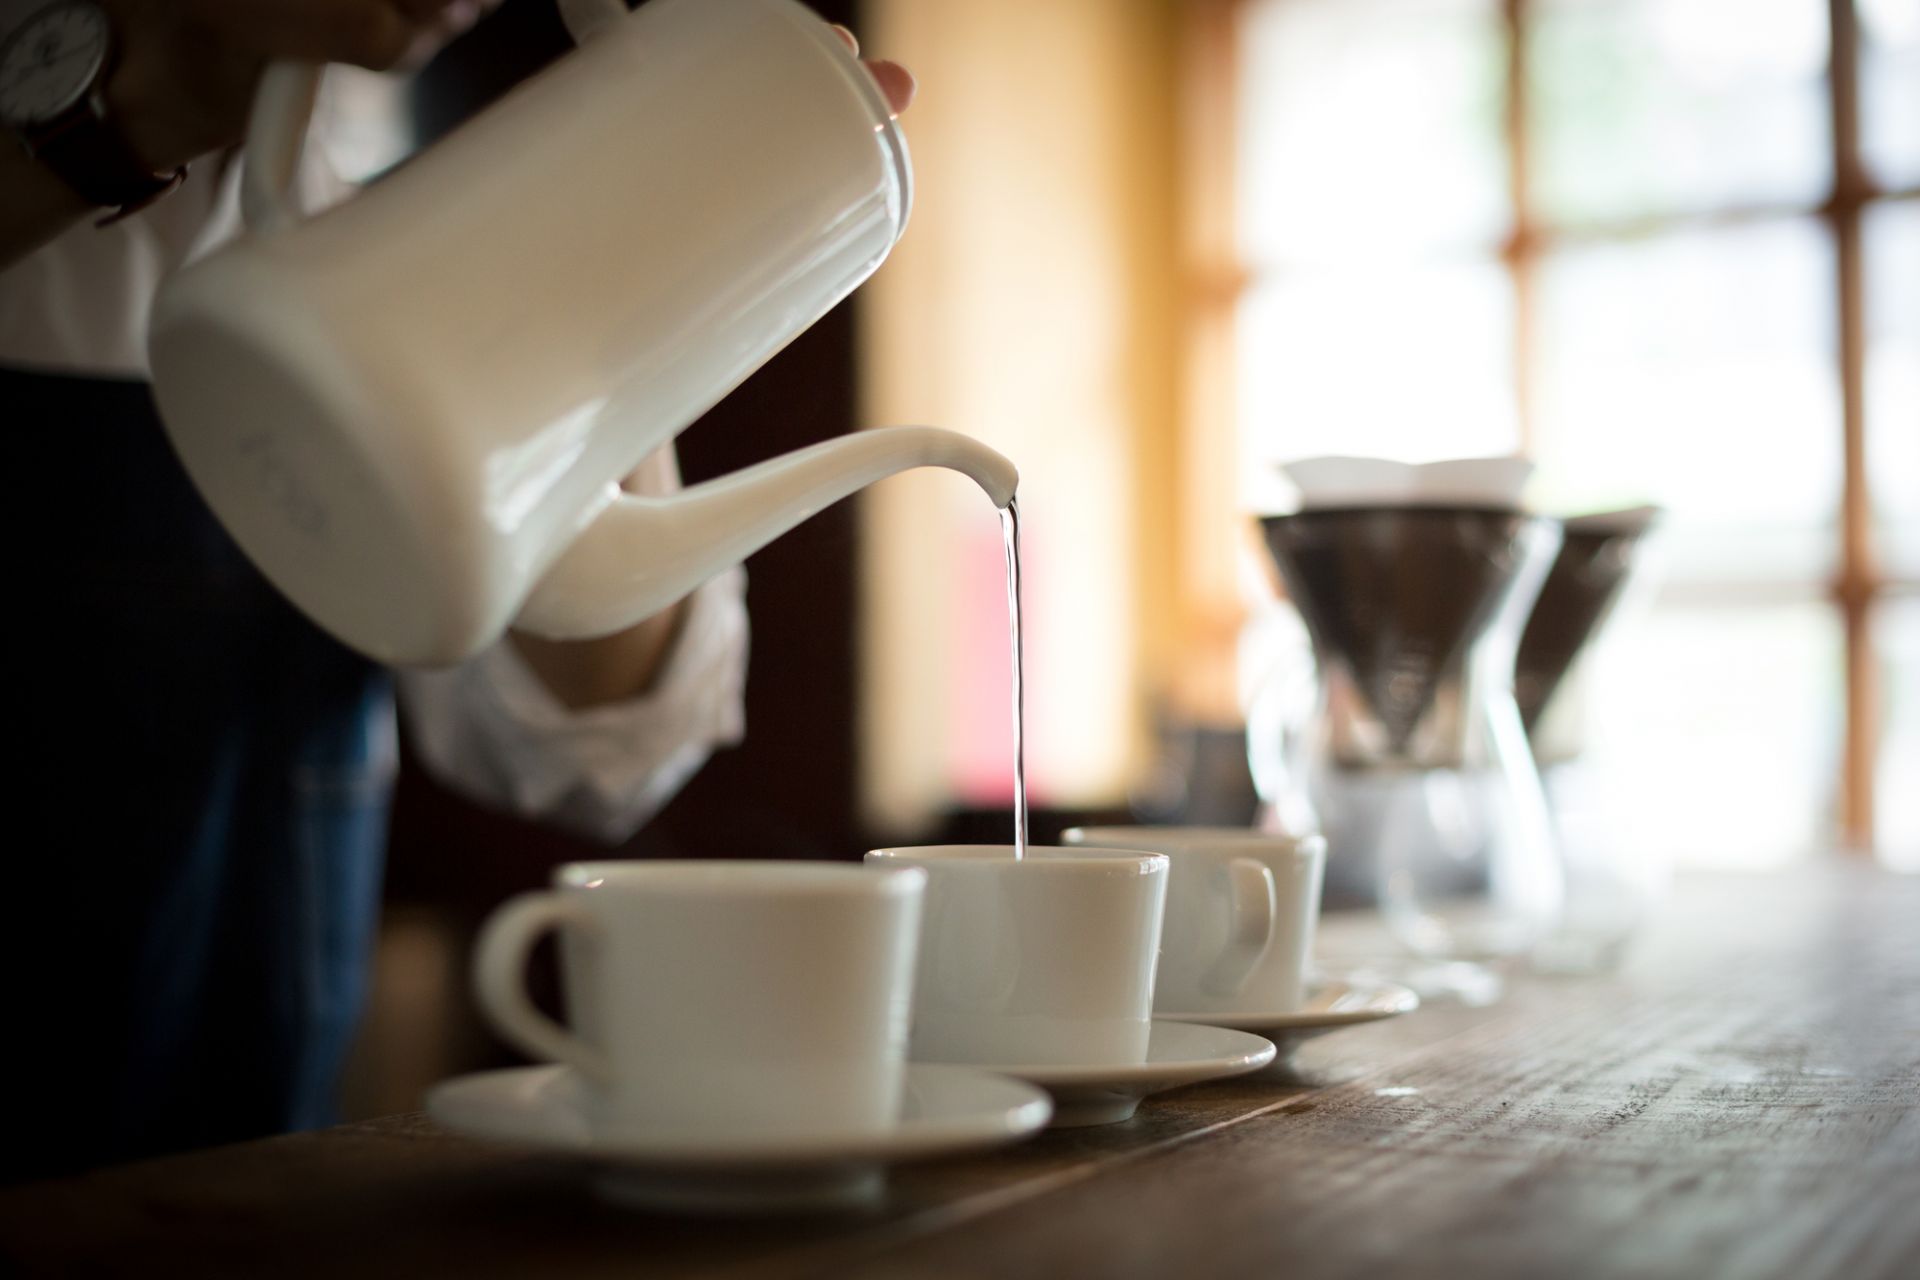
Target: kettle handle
(276, 131)
(283, 107)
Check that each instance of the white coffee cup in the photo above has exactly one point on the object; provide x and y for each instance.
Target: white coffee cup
(1241, 909)
(718, 1000)
(1046, 960)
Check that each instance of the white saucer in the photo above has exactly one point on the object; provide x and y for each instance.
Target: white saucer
(1177, 1054)
(1330, 1006)
(944, 1110)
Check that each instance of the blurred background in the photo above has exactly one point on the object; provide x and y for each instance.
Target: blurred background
(1669, 249)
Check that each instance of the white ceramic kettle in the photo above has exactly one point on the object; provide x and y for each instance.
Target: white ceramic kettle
(413, 410)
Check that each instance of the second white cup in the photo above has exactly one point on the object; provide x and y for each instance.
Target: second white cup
(1241, 909)
(1047, 960)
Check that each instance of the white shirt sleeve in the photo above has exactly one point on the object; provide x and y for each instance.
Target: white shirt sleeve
(491, 729)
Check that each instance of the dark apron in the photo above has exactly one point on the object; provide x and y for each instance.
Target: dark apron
(204, 786)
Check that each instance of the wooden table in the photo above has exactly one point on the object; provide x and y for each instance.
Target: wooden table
(1742, 1100)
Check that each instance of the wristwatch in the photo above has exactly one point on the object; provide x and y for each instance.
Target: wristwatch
(53, 76)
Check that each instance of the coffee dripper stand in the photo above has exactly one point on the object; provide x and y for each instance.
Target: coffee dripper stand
(1414, 759)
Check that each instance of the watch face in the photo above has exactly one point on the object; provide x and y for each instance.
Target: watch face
(50, 60)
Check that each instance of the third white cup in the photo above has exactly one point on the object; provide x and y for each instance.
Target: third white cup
(1241, 909)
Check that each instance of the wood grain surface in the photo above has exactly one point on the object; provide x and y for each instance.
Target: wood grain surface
(1743, 1099)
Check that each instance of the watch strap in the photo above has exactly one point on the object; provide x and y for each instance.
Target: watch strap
(89, 155)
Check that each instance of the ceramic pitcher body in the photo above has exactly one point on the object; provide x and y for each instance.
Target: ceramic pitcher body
(408, 407)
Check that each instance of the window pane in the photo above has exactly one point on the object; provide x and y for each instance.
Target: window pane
(1352, 111)
(1658, 106)
(1892, 243)
(1696, 369)
(1413, 363)
(1719, 729)
(1897, 788)
(1890, 90)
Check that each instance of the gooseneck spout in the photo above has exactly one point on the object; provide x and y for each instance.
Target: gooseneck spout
(641, 554)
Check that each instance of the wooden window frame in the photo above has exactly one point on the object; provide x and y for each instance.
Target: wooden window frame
(1217, 279)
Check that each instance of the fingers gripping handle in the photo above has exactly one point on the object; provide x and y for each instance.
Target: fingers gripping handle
(283, 107)
(499, 981)
(586, 19)
(1250, 907)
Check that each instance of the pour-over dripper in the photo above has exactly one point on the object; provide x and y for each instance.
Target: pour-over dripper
(1393, 598)
(1597, 555)
(1416, 761)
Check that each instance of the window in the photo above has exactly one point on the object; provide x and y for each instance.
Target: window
(1671, 249)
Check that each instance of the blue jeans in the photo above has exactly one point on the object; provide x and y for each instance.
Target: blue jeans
(204, 802)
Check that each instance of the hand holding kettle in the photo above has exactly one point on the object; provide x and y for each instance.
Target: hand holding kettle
(183, 75)
(190, 69)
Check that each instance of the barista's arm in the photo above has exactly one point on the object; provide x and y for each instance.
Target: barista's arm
(615, 668)
(185, 74)
(35, 206)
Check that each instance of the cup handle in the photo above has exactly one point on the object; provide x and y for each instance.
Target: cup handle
(499, 965)
(1250, 906)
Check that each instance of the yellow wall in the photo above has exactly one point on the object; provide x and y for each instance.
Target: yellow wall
(1033, 304)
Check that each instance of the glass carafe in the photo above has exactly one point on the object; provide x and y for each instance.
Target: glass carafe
(1613, 880)
(1415, 759)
